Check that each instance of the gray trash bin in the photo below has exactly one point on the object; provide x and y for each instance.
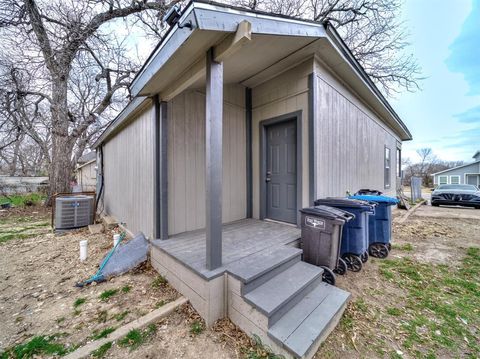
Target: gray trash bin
(321, 235)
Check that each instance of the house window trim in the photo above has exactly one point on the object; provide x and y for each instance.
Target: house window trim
(452, 176)
(439, 182)
(385, 177)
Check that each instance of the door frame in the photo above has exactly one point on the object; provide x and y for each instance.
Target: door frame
(297, 118)
(472, 174)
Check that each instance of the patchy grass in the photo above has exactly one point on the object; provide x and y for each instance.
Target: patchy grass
(159, 282)
(126, 289)
(407, 247)
(196, 327)
(121, 316)
(441, 305)
(160, 304)
(39, 345)
(10, 230)
(23, 200)
(260, 350)
(103, 333)
(136, 337)
(102, 351)
(78, 302)
(106, 295)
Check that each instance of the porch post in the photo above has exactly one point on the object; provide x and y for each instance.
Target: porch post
(163, 185)
(213, 161)
(161, 167)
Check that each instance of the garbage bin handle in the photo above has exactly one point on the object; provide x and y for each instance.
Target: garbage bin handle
(348, 216)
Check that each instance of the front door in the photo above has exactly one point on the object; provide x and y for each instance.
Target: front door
(281, 176)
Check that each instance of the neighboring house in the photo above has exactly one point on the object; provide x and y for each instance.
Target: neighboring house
(465, 174)
(86, 172)
(240, 119)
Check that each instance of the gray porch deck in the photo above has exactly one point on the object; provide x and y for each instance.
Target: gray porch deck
(241, 239)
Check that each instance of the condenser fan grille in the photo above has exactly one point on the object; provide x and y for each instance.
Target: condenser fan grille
(73, 212)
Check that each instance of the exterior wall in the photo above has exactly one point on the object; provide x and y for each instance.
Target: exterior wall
(128, 174)
(281, 95)
(87, 177)
(473, 168)
(350, 141)
(186, 159)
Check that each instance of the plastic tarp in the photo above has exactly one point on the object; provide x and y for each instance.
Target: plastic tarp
(127, 255)
(122, 258)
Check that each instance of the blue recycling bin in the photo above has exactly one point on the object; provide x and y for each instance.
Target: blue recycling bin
(380, 224)
(354, 246)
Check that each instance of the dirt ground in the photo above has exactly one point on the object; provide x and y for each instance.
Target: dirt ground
(37, 297)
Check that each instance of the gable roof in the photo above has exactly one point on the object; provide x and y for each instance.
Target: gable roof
(289, 40)
(455, 168)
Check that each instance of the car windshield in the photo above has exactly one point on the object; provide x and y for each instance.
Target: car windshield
(465, 187)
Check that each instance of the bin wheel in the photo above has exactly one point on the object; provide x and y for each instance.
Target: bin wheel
(341, 268)
(328, 276)
(389, 246)
(378, 250)
(354, 263)
(364, 257)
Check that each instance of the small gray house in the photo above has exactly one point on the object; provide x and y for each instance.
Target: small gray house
(465, 174)
(239, 119)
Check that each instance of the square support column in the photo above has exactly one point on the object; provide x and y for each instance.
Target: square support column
(213, 161)
(161, 169)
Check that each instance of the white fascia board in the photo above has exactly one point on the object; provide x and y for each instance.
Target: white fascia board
(219, 18)
(166, 48)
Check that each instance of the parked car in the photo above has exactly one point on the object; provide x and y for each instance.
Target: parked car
(456, 194)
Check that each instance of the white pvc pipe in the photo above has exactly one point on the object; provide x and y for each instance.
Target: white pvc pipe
(116, 239)
(83, 250)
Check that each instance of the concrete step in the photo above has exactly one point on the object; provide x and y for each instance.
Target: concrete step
(258, 268)
(306, 325)
(279, 294)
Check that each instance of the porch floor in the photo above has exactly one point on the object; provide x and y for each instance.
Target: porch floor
(241, 239)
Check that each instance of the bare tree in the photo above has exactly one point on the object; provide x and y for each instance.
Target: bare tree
(371, 29)
(78, 63)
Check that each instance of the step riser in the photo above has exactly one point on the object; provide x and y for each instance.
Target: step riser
(325, 333)
(294, 300)
(248, 287)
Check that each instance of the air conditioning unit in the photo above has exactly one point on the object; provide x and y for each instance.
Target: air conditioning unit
(73, 211)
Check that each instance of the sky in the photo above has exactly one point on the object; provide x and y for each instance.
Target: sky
(445, 114)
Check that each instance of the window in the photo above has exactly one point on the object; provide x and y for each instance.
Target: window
(399, 162)
(442, 180)
(388, 165)
(454, 179)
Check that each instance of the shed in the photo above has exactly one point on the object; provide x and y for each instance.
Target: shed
(86, 172)
(239, 119)
(465, 174)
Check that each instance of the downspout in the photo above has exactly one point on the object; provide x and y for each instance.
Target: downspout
(100, 191)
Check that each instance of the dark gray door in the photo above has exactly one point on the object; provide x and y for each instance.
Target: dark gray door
(472, 179)
(281, 173)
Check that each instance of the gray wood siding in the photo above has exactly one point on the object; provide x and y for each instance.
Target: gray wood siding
(186, 156)
(128, 167)
(469, 169)
(350, 141)
(283, 94)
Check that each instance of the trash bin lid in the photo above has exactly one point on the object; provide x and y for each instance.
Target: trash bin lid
(379, 199)
(346, 203)
(328, 212)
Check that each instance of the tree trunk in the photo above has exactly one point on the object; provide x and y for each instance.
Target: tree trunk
(60, 169)
(13, 165)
